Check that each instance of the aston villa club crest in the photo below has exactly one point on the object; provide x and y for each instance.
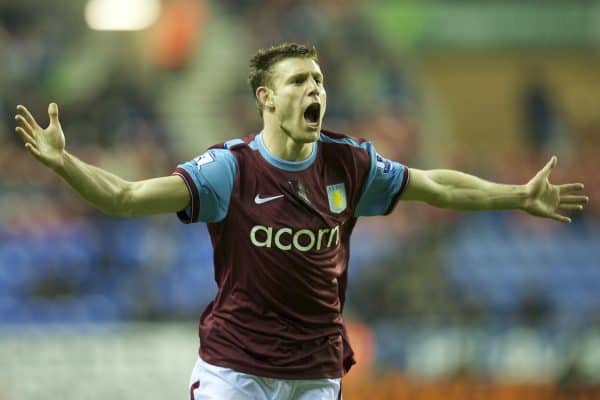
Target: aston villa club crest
(336, 195)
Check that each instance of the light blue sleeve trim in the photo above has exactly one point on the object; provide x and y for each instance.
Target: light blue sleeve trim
(383, 184)
(213, 174)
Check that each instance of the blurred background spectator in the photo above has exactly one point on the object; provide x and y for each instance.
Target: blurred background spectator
(442, 303)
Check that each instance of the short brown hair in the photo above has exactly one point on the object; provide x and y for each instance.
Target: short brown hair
(264, 59)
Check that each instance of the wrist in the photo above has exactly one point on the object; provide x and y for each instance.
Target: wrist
(524, 194)
(59, 165)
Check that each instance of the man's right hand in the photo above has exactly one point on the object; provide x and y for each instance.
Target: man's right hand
(47, 145)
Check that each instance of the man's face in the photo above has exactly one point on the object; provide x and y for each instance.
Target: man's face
(299, 98)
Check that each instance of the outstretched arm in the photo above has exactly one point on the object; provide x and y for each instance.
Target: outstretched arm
(457, 190)
(107, 192)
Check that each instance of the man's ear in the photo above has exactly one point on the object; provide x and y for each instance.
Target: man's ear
(265, 96)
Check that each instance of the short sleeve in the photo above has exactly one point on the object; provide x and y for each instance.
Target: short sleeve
(384, 186)
(209, 179)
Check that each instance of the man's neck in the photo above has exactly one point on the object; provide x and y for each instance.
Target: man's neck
(282, 146)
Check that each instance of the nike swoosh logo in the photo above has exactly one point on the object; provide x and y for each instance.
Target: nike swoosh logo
(261, 200)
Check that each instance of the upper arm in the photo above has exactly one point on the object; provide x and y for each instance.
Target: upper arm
(422, 187)
(209, 180)
(383, 187)
(166, 194)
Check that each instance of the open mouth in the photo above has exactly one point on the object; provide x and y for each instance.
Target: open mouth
(312, 113)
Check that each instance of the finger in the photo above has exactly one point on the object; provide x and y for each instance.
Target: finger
(560, 218)
(570, 188)
(33, 150)
(574, 199)
(25, 112)
(53, 114)
(21, 121)
(550, 164)
(570, 207)
(27, 138)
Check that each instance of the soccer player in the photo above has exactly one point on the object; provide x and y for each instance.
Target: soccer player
(280, 207)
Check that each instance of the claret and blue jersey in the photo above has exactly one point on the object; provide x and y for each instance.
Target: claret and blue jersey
(281, 234)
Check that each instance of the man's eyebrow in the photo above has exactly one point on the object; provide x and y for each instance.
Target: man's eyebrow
(304, 75)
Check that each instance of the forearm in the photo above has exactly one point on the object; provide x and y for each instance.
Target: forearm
(103, 190)
(462, 191)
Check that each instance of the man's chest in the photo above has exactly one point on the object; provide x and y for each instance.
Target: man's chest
(292, 211)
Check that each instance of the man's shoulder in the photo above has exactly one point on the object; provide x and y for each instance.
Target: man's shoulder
(332, 137)
(342, 148)
(236, 143)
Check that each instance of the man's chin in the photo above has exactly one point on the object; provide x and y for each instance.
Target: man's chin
(305, 133)
(313, 132)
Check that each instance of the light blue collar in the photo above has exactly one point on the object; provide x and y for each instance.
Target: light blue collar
(285, 164)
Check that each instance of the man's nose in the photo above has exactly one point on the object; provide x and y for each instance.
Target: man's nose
(313, 88)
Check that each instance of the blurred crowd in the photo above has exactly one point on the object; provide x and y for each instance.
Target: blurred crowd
(139, 103)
